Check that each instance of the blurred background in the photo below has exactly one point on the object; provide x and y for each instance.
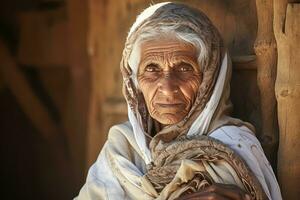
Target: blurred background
(60, 85)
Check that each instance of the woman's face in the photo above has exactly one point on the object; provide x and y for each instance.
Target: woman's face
(169, 77)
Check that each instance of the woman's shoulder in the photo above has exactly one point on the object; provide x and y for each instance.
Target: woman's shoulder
(122, 135)
(240, 139)
(243, 141)
(120, 130)
(235, 134)
(122, 126)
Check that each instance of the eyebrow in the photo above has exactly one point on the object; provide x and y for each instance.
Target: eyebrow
(176, 60)
(176, 64)
(191, 62)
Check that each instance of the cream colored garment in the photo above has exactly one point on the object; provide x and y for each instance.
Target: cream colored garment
(122, 152)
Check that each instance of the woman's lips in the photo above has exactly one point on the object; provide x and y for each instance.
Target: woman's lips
(169, 105)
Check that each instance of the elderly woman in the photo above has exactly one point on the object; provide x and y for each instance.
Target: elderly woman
(180, 142)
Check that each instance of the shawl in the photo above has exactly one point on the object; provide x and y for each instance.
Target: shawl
(206, 147)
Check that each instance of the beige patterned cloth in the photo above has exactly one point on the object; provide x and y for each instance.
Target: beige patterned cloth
(187, 165)
(120, 172)
(206, 147)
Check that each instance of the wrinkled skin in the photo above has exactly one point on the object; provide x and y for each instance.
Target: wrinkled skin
(169, 77)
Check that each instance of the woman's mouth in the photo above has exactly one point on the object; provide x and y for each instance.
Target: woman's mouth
(169, 105)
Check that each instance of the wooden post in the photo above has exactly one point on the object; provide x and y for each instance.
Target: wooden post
(265, 49)
(96, 21)
(287, 33)
(80, 71)
(85, 23)
(38, 115)
(30, 104)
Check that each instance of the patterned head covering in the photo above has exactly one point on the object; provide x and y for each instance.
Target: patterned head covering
(212, 105)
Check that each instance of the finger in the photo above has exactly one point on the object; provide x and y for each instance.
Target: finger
(203, 196)
(235, 187)
(230, 191)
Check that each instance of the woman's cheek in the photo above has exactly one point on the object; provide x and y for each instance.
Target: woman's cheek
(148, 89)
(190, 88)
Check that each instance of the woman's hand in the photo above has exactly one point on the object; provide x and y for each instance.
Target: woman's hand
(218, 192)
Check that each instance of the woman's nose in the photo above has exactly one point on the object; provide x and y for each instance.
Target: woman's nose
(168, 85)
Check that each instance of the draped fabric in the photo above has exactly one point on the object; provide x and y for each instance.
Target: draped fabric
(206, 147)
(119, 172)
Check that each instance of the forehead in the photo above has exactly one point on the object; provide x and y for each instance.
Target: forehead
(166, 49)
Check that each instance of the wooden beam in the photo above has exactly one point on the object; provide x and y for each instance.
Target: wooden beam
(31, 105)
(246, 62)
(96, 51)
(43, 38)
(81, 86)
(266, 53)
(37, 114)
(287, 33)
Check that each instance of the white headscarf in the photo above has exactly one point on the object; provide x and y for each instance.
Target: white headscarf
(214, 113)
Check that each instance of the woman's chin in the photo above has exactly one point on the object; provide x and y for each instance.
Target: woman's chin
(169, 118)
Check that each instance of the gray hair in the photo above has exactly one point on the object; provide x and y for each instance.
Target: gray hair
(186, 25)
(183, 34)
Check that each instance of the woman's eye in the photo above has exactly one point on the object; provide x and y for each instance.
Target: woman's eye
(152, 68)
(185, 68)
